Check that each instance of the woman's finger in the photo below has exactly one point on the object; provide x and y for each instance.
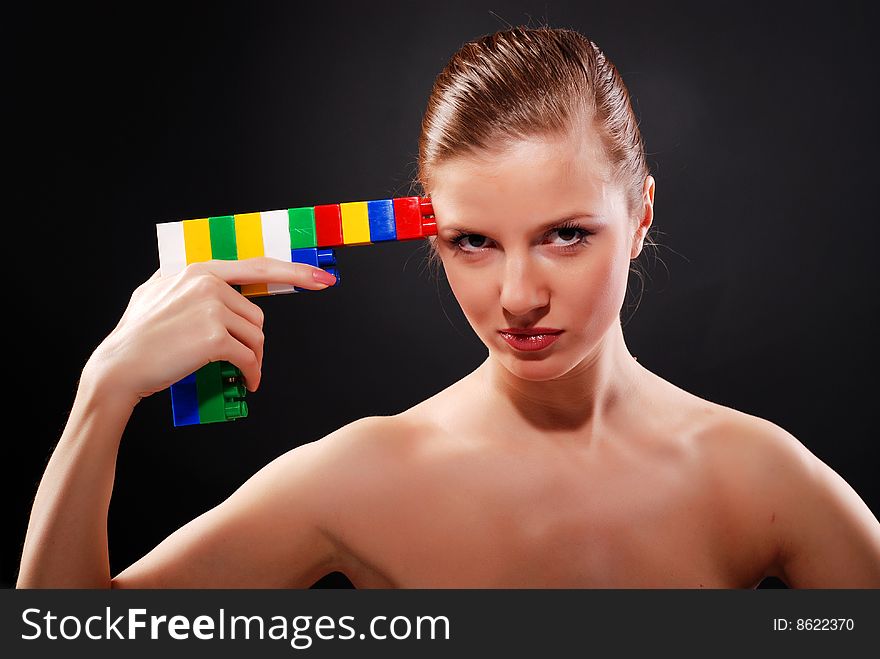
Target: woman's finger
(266, 270)
(239, 304)
(238, 354)
(246, 333)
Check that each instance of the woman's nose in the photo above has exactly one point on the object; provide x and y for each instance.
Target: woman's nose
(522, 287)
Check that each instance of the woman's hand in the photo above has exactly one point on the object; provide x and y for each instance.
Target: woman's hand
(175, 325)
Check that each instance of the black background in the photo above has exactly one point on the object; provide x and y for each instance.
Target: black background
(759, 121)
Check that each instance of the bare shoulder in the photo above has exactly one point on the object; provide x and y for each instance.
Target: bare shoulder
(364, 463)
(746, 448)
(789, 506)
(374, 441)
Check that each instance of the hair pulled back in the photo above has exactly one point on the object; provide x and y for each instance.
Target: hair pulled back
(526, 82)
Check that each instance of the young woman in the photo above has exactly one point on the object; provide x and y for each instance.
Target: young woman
(559, 462)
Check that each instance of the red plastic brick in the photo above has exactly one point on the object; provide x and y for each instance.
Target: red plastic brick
(429, 224)
(407, 218)
(328, 225)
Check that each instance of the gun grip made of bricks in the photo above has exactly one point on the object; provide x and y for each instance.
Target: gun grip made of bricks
(216, 392)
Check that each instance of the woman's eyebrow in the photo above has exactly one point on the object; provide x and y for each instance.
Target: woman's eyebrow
(567, 217)
(570, 217)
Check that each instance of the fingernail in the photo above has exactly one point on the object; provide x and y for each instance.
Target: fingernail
(323, 277)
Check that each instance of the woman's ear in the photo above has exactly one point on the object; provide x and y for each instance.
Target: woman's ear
(646, 217)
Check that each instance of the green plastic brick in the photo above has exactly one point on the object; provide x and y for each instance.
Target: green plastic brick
(302, 227)
(220, 392)
(223, 237)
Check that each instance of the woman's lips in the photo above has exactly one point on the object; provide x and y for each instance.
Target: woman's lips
(531, 339)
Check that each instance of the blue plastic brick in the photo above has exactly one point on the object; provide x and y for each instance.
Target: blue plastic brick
(185, 401)
(381, 216)
(326, 257)
(308, 255)
(319, 258)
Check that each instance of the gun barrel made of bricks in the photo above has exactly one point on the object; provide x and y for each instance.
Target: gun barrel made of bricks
(300, 235)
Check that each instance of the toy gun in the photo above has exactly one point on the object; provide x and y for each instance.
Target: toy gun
(299, 235)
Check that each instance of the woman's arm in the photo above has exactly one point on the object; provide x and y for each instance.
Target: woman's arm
(268, 534)
(282, 528)
(790, 506)
(171, 327)
(66, 541)
(827, 535)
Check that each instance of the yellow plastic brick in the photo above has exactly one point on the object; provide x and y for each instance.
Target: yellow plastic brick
(197, 238)
(355, 223)
(249, 240)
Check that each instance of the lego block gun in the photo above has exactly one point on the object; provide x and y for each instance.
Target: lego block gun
(305, 235)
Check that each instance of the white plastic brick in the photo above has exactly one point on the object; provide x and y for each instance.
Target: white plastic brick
(276, 243)
(172, 248)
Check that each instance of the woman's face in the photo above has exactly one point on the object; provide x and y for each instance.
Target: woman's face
(536, 245)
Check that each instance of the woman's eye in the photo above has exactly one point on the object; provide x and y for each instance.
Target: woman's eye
(567, 236)
(472, 242)
(560, 237)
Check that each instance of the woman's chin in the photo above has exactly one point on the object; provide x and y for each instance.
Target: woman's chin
(535, 369)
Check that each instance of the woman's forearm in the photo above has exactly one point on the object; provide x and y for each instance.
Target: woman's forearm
(66, 541)
(171, 327)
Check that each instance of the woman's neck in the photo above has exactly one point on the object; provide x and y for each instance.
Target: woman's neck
(576, 401)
